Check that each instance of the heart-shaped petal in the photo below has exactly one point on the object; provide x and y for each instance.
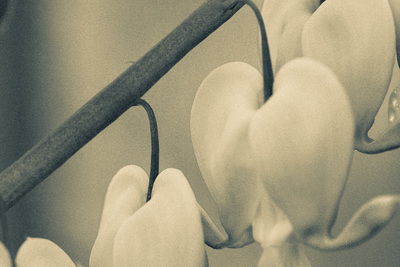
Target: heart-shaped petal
(302, 141)
(125, 195)
(40, 252)
(356, 40)
(284, 21)
(166, 231)
(298, 145)
(221, 112)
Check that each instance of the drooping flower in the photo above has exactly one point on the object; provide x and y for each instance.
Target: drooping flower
(222, 126)
(355, 39)
(277, 170)
(166, 231)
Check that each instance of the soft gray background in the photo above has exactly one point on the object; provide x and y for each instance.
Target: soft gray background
(56, 55)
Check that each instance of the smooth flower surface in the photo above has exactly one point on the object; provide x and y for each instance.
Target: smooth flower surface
(302, 142)
(230, 124)
(224, 103)
(355, 39)
(279, 167)
(222, 126)
(36, 252)
(166, 231)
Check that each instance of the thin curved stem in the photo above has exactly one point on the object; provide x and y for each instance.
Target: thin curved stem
(155, 147)
(268, 75)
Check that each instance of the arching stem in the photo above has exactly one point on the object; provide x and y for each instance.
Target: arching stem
(266, 58)
(155, 148)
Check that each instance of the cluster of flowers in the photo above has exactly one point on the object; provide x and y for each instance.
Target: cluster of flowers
(276, 170)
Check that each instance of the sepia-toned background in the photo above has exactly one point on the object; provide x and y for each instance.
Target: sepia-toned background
(56, 55)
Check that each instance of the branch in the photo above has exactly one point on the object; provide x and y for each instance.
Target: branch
(110, 103)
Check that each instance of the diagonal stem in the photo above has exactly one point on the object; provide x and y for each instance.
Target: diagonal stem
(268, 75)
(52, 151)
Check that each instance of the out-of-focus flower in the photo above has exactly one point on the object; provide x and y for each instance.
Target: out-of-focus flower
(355, 39)
(36, 252)
(166, 231)
(279, 168)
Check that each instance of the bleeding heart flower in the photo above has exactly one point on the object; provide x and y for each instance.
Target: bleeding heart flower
(280, 168)
(356, 40)
(166, 231)
(36, 252)
(308, 127)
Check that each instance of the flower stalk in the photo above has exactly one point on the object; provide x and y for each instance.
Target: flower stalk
(268, 76)
(155, 147)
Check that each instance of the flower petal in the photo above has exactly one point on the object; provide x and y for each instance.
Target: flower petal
(5, 258)
(274, 232)
(284, 21)
(40, 252)
(365, 223)
(166, 231)
(356, 40)
(125, 195)
(302, 141)
(212, 235)
(221, 112)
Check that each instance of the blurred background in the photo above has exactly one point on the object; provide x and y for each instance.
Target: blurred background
(56, 55)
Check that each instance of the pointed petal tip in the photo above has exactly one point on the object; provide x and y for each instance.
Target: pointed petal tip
(213, 237)
(370, 219)
(386, 141)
